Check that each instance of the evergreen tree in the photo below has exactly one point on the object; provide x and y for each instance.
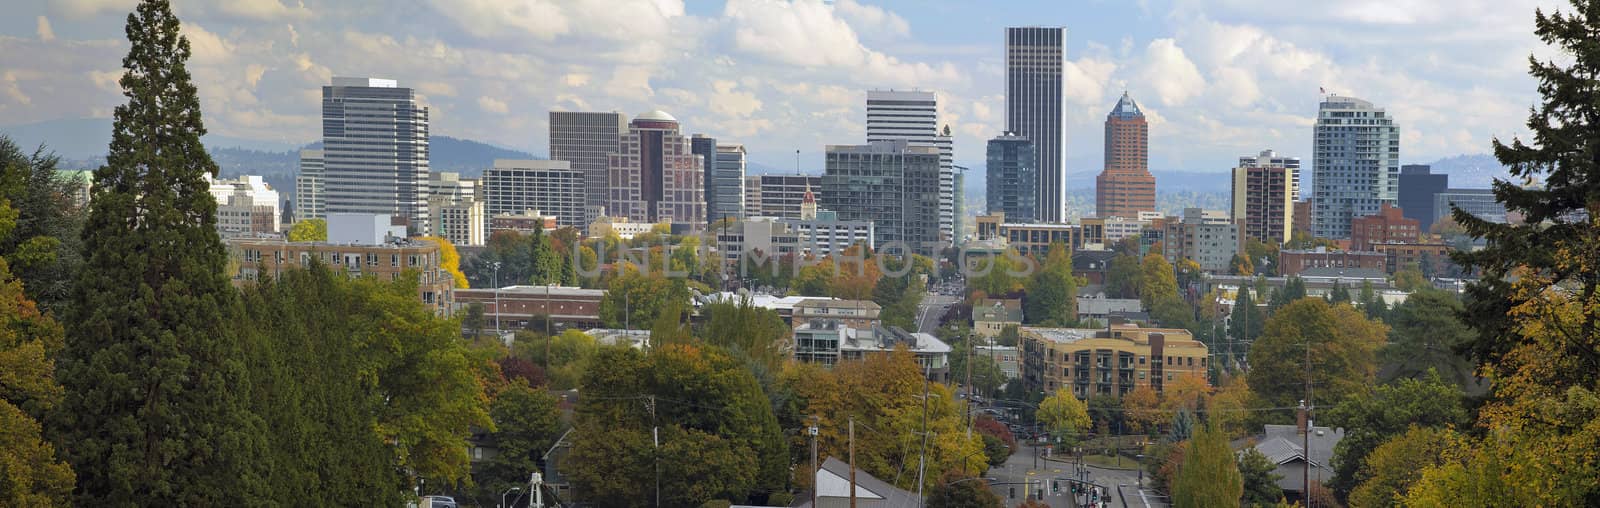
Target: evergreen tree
(43, 245)
(1339, 294)
(1244, 325)
(1371, 303)
(1561, 228)
(152, 369)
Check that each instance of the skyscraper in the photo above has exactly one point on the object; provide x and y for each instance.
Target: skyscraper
(656, 176)
(779, 196)
(587, 140)
(375, 150)
(1356, 167)
(914, 116)
(705, 147)
(1036, 108)
(891, 183)
(1012, 182)
(1418, 185)
(729, 182)
(308, 187)
(1263, 196)
(1125, 187)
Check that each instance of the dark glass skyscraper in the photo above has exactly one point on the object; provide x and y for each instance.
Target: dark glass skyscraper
(1418, 185)
(1036, 108)
(1012, 180)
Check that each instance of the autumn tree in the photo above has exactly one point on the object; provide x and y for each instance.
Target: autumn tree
(154, 378)
(638, 299)
(449, 260)
(1387, 474)
(998, 275)
(1124, 276)
(30, 472)
(1066, 417)
(1142, 409)
(1210, 476)
(1157, 281)
(309, 230)
(1343, 347)
(958, 491)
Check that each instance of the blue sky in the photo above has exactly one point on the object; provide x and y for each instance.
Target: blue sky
(1218, 78)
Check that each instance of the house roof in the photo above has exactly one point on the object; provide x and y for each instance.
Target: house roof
(1282, 445)
(833, 481)
(1092, 260)
(1003, 310)
(1346, 273)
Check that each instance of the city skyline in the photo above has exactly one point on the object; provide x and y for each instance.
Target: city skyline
(1227, 85)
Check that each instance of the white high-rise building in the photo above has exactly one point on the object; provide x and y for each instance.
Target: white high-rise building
(308, 187)
(914, 116)
(456, 209)
(1356, 164)
(375, 150)
(1036, 108)
(552, 187)
(728, 179)
(245, 206)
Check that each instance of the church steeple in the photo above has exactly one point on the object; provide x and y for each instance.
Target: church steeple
(808, 205)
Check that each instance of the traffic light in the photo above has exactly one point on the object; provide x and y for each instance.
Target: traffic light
(1013, 493)
(1055, 487)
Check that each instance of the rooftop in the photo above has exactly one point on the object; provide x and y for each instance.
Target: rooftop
(656, 115)
(1126, 108)
(1003, 310)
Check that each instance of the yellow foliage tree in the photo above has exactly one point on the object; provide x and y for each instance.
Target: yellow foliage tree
(449, 260)
(1065, 415)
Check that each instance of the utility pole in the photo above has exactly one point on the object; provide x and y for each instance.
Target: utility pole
(547, 337)
(814, 423)
(852, 459)
(655, 439)
(922, 454)
(970, 345)
(1305, 436)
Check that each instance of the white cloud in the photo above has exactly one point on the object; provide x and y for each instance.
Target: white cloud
(870, 19)
(576, 79)
(617, 20)
(8, 87)
(253, 73)
(436, 88)
(86, 8)
(1174, 77)
(493, 105)
(46, 34)
(207, 47)
(262, 9)
(1088, 78)
(727, 102)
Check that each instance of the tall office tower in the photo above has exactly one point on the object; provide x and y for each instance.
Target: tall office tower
(1012, 182)
(1125, 187)
(587, 140)
(1263, 196)
(551, 188)
(729, 183)
(1418, 185)
(375, 150)
(656, 177)
(891, 183)
(1357, 164)
(705, 147)
(780, 196)
(308, 187)
(456, 207)
(960, 225)
(1036, 108)
(914, 116)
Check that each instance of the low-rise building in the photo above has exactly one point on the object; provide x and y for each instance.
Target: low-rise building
(523, 222)
(1389, 225)
(862, 314)
(1112, 360)
(1293, 262)
(256, 257)
(625, 229)
(514, 307)
(830, 341)
(1284, 446)
(990, 316)
(1432, 258)
(246, 206)
(1101, 309)
(1008, 358)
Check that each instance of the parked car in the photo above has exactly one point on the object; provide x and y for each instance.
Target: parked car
(438, 502)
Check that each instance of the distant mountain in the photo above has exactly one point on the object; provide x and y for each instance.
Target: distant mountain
(87, 138)
(1471, 171)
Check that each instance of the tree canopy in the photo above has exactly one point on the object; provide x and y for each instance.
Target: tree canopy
(1343, 346)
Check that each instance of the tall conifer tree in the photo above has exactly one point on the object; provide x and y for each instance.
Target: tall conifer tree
(151, 368)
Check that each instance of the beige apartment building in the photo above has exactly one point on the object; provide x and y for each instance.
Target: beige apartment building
(1112, 360)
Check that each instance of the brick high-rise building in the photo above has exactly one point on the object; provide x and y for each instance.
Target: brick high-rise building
(1125, 187)
(1389, 225)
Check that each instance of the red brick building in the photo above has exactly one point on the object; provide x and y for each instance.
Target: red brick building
(1292, 262)
(1432, 258)
(567, 306)
(1388, 226)
(1126, 186)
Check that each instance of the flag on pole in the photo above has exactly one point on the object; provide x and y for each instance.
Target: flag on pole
(1322, 90)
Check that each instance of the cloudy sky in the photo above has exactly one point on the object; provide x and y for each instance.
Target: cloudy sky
(1218, 78)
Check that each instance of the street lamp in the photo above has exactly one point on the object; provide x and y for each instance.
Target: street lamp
(508, 492)
(497, 333)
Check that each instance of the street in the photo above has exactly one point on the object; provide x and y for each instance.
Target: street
(1020, 468)
(933, 306)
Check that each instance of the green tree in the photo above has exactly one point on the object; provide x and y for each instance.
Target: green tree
(473, 321)
(1124, 278)
(1209, 476)
(718, 436)
(569, 354)
(957, 491)
(1371, 303)
(1066, 417)
(986, 374)
(1389, 471)
(1339, 294)
(1372, 418)
(154, 378)
(1157, 281)
(1009, 335)
(1244, 325)
(309, 230)
(637, 299)
(1260, 482)
(1343, 347)
(1411, 278)
(1052, 294)
(1427, 331)
(998, 275)
(527, 422)
(44, 245)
